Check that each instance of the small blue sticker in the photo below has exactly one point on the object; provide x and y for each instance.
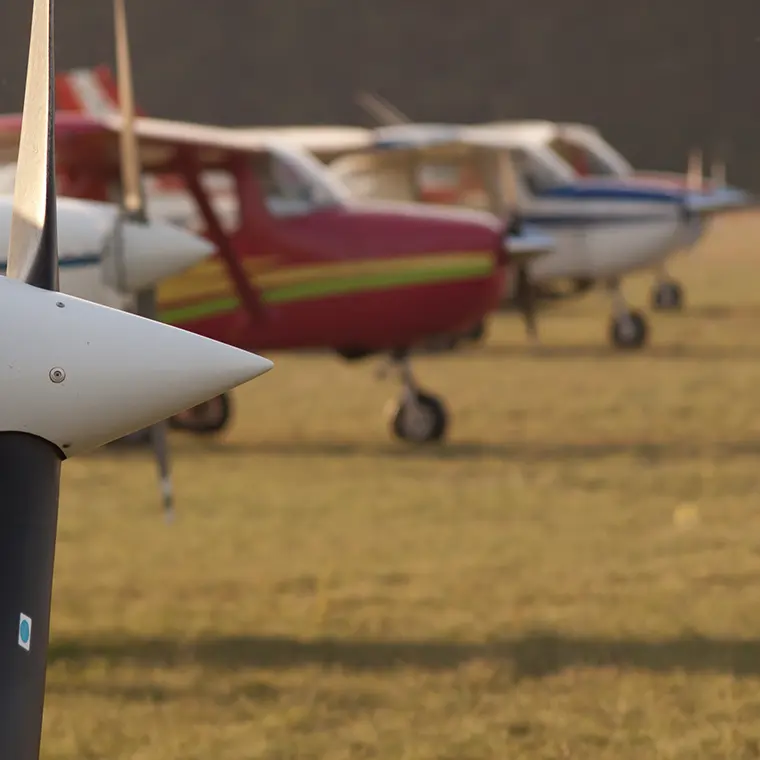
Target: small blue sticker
(25, 632)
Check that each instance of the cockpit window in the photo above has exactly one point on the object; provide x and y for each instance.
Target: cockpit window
(294, 183)
(585, 161)
(539, 172)
(435, 176)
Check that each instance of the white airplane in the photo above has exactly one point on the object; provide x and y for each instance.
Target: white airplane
(604, 228)
(107, 259)
(591, 155)
(115, 255)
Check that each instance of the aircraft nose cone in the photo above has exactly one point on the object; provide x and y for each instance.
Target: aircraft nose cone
(157, 250)
(117, 372)
(528, 243)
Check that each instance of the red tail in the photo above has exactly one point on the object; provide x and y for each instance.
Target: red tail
(88, 91)
(94, 92)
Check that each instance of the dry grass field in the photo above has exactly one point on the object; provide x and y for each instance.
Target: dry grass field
(575, 574)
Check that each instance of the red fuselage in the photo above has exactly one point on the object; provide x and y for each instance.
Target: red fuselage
(362, 278)
(355, 277)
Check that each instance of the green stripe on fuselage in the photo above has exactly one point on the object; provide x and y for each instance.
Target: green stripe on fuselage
(312, 289)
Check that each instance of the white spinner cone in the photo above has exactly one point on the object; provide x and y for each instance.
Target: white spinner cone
(82, 374)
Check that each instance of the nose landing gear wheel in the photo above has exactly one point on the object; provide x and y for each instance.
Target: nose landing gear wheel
(629, 331)
(419, 418)
(667, 296)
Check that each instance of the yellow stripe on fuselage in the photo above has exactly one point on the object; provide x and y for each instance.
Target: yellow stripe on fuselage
(210, 279)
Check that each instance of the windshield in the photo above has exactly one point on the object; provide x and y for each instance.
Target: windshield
(590, 155)
(294, 182)
(541, 169)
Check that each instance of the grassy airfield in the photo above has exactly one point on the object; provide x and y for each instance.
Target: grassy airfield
(575, 574)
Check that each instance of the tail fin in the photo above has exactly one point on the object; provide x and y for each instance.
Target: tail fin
(89, 91)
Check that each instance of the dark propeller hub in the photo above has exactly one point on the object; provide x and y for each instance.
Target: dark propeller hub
(515, 225)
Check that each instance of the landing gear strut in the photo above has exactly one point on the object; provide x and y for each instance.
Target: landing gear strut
(417, 416)
(628, 328)
(667, 294)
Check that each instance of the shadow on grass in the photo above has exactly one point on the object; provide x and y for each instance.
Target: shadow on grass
(536, 655)
(527, 452)
(720, 311)
(157, 693)
(601, 350)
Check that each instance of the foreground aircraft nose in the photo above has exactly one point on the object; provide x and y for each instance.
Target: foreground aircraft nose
(82, 374)
(157, 250)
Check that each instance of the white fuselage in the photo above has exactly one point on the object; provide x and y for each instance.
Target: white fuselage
(602, 227)
(594, 238)
(86, 237)
(83, 232)
(607, 238)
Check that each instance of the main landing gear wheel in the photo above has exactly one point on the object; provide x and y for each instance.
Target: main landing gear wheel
(419, 418)
(629, 331)
(667, 296)
(207, 418)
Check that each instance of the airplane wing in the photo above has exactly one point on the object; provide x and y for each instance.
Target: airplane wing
(92, 142)
(324, 142)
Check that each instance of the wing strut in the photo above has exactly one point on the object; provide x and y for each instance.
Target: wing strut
(248, 295)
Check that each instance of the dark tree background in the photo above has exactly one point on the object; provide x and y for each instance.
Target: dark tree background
(657, 76)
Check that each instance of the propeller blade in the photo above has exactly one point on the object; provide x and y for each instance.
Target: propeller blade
(381, 110)
(32, 250)
(718, 173)
(132, 190)
(135, 210)
(146, 307)
(29, 465)
(110, 391)
(718, 166)
(695, 173)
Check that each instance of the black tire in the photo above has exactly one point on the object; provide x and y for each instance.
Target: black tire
(208, 418)
(477, 333)
(630, 333)
(667, 296)
(431, 424)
